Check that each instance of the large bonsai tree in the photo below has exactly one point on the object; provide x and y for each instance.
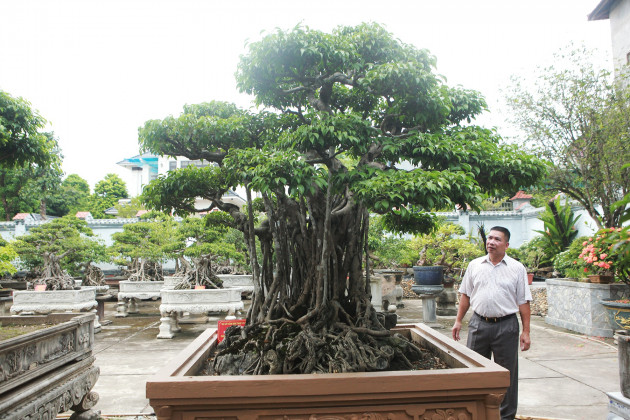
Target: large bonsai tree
(55, 248)
(347, 110)
(201, 246)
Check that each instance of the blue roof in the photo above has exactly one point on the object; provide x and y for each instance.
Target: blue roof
(145, 159)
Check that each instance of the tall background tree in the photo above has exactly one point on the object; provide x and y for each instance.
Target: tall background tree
(30, 160)
(20, 138)
(32, 187)
(577, 116)
(72, 196)
(45, 181)
(106, 194)
(348, 108)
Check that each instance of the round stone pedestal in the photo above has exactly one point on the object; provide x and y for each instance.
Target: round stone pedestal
(428, 294)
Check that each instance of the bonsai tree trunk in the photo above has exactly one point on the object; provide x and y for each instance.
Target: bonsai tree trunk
(53, 276)
(92, 275)
(314, 272)
(200, 273)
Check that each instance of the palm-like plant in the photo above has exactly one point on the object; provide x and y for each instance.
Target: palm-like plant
(559, 227)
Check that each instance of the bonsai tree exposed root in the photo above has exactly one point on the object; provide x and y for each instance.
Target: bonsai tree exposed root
(322, 346)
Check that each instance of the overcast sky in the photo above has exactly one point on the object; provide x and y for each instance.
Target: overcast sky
(97, 70)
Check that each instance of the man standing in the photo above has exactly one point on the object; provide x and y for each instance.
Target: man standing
(495, 286)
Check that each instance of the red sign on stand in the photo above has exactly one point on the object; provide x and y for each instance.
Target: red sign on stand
(225, 323)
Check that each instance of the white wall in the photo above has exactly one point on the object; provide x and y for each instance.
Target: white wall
(620, 32)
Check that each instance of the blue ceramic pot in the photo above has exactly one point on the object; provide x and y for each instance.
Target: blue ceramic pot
(428, 276)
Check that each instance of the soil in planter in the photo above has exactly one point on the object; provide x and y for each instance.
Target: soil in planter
(11, 331)
(349, 352)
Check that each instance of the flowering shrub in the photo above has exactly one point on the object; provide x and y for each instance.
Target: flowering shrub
(567, 263)
(600, 254)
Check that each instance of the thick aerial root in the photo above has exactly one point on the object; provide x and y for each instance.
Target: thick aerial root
(57, 283)
(286, 347)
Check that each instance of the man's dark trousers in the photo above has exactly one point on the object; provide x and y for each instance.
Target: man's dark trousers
(499, 339)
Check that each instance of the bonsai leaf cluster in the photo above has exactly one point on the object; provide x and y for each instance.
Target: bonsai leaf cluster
(352, 122)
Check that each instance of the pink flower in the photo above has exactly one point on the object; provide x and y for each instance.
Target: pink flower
(603, 256)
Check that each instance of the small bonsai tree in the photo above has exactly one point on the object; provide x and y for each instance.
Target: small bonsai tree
(54, 248)
(142, 246)
(533, 254)
(446, 248)
(82, 263)
(201, 245)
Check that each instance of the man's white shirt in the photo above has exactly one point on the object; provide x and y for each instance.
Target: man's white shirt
(496, 290)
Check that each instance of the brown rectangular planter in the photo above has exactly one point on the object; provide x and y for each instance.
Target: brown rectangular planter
(471, 390)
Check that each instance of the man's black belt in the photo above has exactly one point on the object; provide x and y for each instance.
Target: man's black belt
(495, 319)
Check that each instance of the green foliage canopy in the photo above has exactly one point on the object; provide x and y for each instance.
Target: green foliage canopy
(349, 107)
(20, 139)
(578, 117)
(68, 240)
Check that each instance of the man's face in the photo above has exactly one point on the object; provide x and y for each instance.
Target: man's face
(496, 243)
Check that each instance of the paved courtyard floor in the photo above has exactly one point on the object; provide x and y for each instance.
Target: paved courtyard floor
(564, 375)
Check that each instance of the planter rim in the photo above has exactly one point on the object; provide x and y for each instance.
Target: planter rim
(612, 304)
(142, 282)
(366, 385)
(575, 283)
(61, 325)
(200, 290)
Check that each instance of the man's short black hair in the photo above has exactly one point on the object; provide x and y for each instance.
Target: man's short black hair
(503, 230)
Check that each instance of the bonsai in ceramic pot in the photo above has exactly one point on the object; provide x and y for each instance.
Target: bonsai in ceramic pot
(442, 253)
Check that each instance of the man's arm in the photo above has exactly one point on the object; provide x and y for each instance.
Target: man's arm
(525, 312)
(464, 304)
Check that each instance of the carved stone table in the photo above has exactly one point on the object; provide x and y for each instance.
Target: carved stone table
(200, 301)
(130, 292)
